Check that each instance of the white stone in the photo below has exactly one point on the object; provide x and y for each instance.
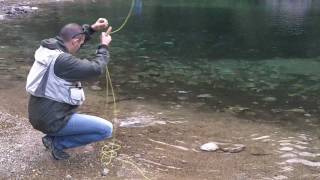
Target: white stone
(2, 16)
(209, 147)
(105, 172)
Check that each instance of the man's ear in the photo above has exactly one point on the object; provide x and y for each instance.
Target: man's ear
(74, 41)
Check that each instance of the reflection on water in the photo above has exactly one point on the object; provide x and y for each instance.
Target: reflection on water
(260, 53)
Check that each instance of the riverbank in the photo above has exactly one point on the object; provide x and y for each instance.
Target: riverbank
(161, 131)
(10, 9)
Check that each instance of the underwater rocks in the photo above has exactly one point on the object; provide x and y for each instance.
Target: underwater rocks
(15, 10)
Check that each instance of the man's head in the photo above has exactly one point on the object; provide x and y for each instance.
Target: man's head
(73, 37)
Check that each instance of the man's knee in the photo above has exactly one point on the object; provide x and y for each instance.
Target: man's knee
(106, 130)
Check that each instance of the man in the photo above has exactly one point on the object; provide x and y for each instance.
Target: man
(55, 89)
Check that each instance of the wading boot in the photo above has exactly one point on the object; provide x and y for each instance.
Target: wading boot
(59, 154)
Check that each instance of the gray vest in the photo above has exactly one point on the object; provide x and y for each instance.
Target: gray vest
(42, 82)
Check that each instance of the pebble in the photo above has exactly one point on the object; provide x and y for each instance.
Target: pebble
(2, 16)
(182, 98)
(68, 176)
(209, 147)
(96, 88)
(105, 172)
(137, 155)
(204, 96)
(307, 115)
(183, 92)
(269, 99)
(297, 110)
(235, 148)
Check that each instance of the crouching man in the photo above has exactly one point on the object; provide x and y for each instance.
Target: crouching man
(54, 85)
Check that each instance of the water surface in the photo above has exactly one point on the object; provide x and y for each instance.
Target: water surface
(260, 54)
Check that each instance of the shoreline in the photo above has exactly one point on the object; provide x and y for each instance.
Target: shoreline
(21, 8)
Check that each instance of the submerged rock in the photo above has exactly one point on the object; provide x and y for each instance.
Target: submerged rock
(269, 99)
(204, 96)
(297, 110)
(96, 88)
(234, 148)
(182, 98)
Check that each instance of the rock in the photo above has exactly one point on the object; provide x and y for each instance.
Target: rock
(168, 43)
(137, 155)
(296, 110)
(204, 96)
(235, 148)
(209, 147)
(96, 88)
(238, 109)
(68, 176)
(34, 8)
(2, 16)
(269, 99)
(134, 82)
(182, 98)
(105, 172)
(183, 92)
(307, 115)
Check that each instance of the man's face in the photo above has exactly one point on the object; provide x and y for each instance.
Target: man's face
(78, 42)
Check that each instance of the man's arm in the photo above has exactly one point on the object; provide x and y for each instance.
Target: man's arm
(88, 32)
(70, 68)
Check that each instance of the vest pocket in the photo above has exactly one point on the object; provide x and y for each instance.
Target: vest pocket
(76, 95)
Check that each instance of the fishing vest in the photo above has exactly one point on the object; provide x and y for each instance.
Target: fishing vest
(42, 81)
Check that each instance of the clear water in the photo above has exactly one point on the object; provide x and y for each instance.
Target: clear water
(261, 54)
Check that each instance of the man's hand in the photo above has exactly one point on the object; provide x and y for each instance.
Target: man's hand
(105, 37)
(100, 24)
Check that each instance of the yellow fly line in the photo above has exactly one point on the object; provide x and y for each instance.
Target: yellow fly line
(109, 151)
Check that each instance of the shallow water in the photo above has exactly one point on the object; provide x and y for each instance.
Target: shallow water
(254, 55)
